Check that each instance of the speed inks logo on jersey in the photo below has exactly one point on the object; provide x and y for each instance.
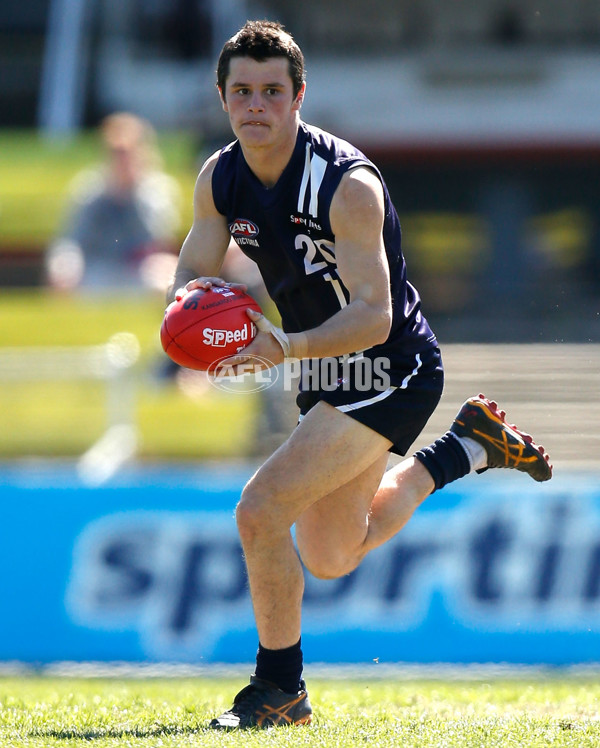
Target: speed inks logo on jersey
(243, 231)
(305, 221)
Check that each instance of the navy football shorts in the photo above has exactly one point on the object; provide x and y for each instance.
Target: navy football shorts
(396, 401)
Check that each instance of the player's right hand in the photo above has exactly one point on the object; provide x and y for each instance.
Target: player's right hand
(207, 283)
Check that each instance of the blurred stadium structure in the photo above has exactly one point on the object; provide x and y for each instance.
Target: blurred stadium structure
(483, 114)
(485, 56)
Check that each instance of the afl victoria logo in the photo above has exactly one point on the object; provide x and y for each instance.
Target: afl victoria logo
(243, 227)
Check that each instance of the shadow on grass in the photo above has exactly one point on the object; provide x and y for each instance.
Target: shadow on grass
(154, 731)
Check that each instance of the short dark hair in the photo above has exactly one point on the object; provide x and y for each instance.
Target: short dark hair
(262, 40)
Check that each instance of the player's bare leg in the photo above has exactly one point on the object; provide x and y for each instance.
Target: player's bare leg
(337, 532)
(328, 450)
(328, 478)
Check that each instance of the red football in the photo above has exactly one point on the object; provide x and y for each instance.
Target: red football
(205, 326)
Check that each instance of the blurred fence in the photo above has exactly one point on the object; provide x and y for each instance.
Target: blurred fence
(110, 364)
(551, 390)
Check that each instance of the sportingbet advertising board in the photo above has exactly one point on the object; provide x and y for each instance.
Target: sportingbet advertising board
(148, 568)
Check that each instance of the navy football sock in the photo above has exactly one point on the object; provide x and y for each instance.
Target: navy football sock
(283, 667)
(445, 459)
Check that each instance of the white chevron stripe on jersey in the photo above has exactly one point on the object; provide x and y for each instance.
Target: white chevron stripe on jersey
(314, 171)
(304, 182)
(317, 172)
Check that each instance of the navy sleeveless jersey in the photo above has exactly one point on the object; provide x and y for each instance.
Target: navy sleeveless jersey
(286, 231)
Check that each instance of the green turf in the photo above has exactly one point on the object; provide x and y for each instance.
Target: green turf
(388, 714)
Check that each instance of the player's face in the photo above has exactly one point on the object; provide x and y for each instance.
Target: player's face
(260, 101)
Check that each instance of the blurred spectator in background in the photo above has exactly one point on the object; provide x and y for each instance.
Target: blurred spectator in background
(122, 218)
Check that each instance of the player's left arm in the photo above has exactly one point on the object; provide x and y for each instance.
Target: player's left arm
(357, 213)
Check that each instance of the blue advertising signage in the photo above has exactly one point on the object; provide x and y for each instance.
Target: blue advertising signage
(149, 568)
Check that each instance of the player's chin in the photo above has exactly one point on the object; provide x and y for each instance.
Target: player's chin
(254, 133)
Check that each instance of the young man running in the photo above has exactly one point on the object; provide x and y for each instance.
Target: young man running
(315, 215)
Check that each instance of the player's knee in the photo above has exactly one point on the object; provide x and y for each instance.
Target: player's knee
(249, 516)
(328, 565)
(256, 513)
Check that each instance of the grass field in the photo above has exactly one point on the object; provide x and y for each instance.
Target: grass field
(49, 711)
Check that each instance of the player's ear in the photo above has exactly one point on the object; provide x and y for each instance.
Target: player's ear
(223, 100)
(299, 97)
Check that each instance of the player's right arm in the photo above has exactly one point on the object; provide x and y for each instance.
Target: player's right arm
(204, 248)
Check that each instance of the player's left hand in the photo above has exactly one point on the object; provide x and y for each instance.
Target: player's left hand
(269, 348)
(206, 283)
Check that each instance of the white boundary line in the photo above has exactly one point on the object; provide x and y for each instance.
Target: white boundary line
(323, 671)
